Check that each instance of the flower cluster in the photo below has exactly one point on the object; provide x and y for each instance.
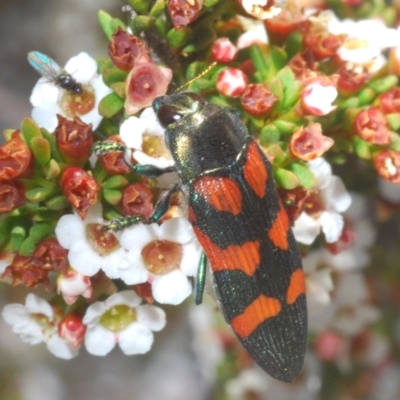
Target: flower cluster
(318, 89)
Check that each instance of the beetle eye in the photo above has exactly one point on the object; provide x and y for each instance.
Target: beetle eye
(168, 115)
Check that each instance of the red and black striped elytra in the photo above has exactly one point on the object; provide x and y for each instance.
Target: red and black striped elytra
(240, 221)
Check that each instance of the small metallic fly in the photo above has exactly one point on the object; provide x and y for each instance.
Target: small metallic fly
(48, 68)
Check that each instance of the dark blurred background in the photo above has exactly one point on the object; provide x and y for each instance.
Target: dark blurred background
(62, 29)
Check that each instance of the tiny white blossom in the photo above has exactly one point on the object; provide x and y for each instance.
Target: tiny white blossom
(47, 97)
(36, 323)
(71, 232)
(122, 320)
(335, 200)
(170, 287)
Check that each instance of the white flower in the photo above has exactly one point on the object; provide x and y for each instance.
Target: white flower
(172, 254)
(72, 234)
(317, 97)
(48, 99)
(260, 9)
(72, 284)
(364, 41)
(146, 137)
(121, 319)
(35, 323)
(334, 200)
(254, 32)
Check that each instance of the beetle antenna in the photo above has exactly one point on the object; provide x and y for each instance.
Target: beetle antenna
(208, 69)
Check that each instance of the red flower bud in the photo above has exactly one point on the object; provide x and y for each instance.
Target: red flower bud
(145, 82)
(72, 330)
(183, 12)
(347, 238)
(12, 196)
(294, 202)
(23, 271)
(124, 49)
(143, 290)
(322, 44)
(389, 102)
(258, 100)
(80, 189)
(309, 143)
(350, 81)
(137, 199)
(372, 126)
(16, 159)
(223, 50)
(387, 163)
(74, 139)
(231, 82)
(113, 162)
(304, 66)
(51, 256)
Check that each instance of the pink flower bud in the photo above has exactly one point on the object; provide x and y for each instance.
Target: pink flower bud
(72, 330)
(223, 50)
(145, 82)
(387, 163)
(317, 97)
(72, 284)
(231, 82)
(372, 126)
(309, 143)
(329, 346)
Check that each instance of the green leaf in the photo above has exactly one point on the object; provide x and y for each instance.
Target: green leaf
(269, 135)
(382, 85)
(306, 177)
(57, 203)
(113, 75)
(287, 179)
(40, 230)
(366, 96)
(285, 127)
(53, 170)
(30, 130)
(110, 105)
(18, 234)
(201, 39)
(44, 214)
(116, 182)
(5, 228)
(112, 196)
(115, 24)
(27, 247)
(394, 121)
(105, 23)
(41, 150)
(119, 89)
(291, 88)
(104, 63)
(278, 58)
(142, 22)
(140, 6)
(53, 145)
(177, 38)
(362, 148)
(40, 194)
(157, 9)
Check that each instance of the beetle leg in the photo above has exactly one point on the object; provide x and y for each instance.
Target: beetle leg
(200, 279)
(150, 171)
(160, 209)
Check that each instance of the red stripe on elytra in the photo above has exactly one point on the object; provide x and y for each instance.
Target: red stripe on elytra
(278, 233)
(254, 170)
(245, 257)
(258, 311)
(296, 286)
(222, 193)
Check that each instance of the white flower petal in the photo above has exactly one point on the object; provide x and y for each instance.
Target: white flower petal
(144, 159)
(176, 230)
(191, 253)
(61, 349)
(138, 236)
(99, 341)
(82, 67)
(171, 288)
(69, 229)
(332, 225)
(136, 272)
(84, 259)
(322, 171)
(46, 117)
(152, 125)
(336, 196)
(135, 339)
(126, 297)
(305, 229)
(152, 317)
(37, 305)
(44, 93)
(93, 313)
(131, 132)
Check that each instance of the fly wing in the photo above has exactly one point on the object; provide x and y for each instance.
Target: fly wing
(239, 220)
(43, 64)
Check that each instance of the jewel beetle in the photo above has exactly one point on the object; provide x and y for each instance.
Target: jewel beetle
(239, 220)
